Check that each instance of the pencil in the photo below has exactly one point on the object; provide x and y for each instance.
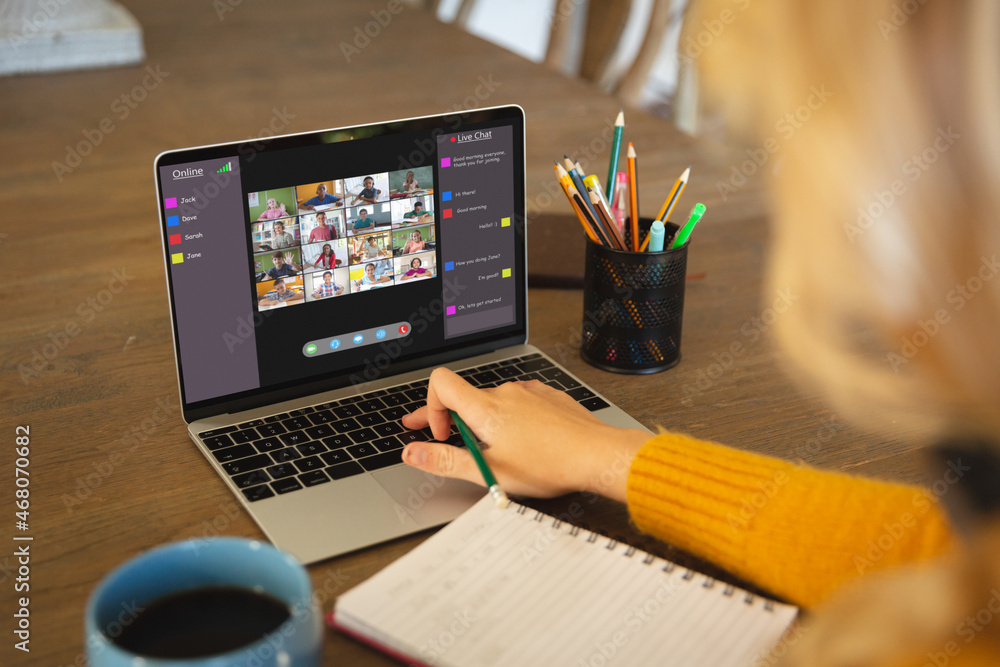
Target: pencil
(604, 216)
(576, 175)
(593, 182)
(569, 190)
(674, 195)
(616, 148)
(499, 497)
(633, 198)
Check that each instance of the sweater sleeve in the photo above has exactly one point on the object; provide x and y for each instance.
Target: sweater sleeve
(794, 530)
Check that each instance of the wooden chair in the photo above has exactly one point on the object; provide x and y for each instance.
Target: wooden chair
(602, 30)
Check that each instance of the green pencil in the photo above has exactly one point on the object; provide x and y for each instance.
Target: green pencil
(616, 147)
(499, 497)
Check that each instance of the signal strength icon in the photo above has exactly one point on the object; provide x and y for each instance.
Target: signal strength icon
(228, 167)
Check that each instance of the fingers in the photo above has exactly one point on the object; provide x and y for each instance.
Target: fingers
(443, 460)
(416, 420)
(447, 391)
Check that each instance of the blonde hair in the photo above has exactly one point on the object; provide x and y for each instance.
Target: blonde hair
(886, 198)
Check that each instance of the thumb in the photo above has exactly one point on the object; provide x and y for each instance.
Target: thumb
(444, 460)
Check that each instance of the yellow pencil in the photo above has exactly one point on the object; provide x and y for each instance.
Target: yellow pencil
(674, 195)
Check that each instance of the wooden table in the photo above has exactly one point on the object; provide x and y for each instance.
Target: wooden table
(86, 346)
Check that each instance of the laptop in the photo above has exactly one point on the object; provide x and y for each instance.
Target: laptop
(315, 280)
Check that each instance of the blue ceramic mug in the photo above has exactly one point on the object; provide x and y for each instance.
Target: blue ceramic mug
(199, 564)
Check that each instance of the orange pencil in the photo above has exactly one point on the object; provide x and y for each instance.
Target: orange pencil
(633, 198)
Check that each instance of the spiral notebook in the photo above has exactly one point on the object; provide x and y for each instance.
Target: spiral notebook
(518, 587)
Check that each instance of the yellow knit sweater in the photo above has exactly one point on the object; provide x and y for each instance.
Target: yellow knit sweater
(793, 530)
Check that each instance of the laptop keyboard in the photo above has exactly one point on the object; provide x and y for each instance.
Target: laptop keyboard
(330, 441)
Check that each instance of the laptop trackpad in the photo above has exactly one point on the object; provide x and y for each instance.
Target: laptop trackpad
(428, 499)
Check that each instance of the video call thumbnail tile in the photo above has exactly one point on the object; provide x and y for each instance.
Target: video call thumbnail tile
(368, 218)
(371, 275)
(411, 182)
(414, 267)
(323, 226)
(408, 240)
(280, 292)
(367, 189)
(275, 235)
(412, 211)
(277, 264)
(324, 255)
(272, 204)
(328, 284)
(320, 196)
(369, 247)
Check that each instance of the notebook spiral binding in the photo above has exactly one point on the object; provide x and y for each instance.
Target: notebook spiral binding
(647, 558)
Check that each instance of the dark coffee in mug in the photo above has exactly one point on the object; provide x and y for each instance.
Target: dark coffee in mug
(201, 622)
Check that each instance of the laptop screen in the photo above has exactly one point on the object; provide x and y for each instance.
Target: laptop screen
(315, 261)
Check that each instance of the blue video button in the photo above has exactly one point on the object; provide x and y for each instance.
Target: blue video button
(358, 339)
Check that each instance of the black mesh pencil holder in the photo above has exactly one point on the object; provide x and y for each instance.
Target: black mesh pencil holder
(633, 304)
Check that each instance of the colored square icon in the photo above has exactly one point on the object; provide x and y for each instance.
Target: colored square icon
(175, 239)
(445, 162)
(505, 222)
(177, 258)
(450, 310)
(446, 196)
(170, 202)
(449, 266)
(173, 220)
(506, 273)
(446, 214)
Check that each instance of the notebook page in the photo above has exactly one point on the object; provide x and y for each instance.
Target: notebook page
(518, 587)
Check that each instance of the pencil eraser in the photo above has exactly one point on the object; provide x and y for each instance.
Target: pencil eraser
(499, 497)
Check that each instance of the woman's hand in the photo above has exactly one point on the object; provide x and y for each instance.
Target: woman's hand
(538, 441)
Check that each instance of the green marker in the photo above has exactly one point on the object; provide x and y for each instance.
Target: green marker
(616, 147)
(499, 497)
(685, 232)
